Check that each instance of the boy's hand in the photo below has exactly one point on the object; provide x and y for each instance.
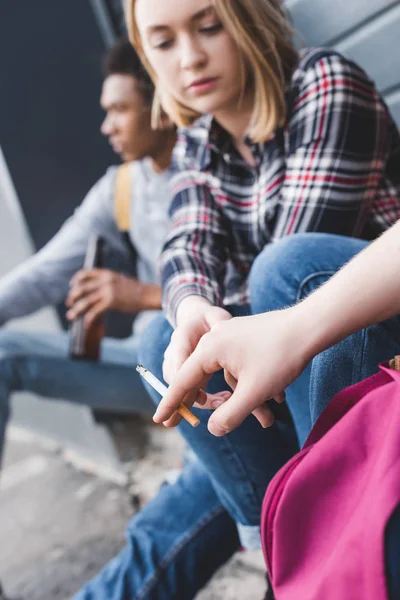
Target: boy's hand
(98, 290)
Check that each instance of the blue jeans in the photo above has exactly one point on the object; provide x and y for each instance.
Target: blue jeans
(242, 463)
(303, 263)
(39, 363)
(158, 560)
(174, 545)
(231, 478)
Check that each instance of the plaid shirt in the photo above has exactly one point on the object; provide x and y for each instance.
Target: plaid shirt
(334, 167)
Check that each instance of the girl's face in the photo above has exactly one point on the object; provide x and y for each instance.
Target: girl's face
(193, 56)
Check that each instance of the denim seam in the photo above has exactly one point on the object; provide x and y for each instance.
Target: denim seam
(250, 489)
(308, 279)
(174, 551)
(363, 349)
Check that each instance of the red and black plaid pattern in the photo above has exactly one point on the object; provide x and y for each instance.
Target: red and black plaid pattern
(334, 167)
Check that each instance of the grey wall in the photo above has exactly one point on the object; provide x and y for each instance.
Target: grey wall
(50, 82)
(365, 30)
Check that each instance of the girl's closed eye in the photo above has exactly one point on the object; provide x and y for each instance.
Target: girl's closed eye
(162, 44)
(211, 29)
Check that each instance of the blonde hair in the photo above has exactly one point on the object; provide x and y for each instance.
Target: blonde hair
(263, 35)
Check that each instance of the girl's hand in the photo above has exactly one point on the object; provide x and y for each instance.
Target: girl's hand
(261, 355)
(193, 325)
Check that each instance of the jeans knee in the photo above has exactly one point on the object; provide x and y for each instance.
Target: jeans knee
(276, 273)
(289, 269)
(154, 341)
(10, 343)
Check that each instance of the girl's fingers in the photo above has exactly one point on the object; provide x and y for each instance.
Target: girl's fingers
(173, 421)
(230, 379)
(264, 416)
(191, 377)
(281, 397)
(213, 401)
(244, 400)
(176, 418)
(201, 398)
(174, 357)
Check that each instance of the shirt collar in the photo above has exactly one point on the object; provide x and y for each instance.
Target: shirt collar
(206, 137)
(220, 142)
(217, 141)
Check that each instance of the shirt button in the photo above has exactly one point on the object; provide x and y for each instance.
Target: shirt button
(227, 157)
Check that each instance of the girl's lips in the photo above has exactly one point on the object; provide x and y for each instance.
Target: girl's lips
(203, 85)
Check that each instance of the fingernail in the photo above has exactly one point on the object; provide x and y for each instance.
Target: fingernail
(155, 417)
(216, 429)
(217, 403)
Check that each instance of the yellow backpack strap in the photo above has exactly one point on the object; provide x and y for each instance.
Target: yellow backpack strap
(122, 197)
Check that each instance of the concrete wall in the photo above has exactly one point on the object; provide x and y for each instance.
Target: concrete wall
(367, 31)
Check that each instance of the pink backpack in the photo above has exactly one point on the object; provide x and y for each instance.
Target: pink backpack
(324, 513)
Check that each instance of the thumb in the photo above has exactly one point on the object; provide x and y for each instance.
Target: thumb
(235, 410)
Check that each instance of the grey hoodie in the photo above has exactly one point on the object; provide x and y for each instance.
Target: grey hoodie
(44, 278)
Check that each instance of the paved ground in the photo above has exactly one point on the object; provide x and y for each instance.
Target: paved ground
(58, 526)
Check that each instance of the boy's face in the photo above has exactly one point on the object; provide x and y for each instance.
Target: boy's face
(127, 121)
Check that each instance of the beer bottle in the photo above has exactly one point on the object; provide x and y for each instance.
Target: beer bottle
(85, 341)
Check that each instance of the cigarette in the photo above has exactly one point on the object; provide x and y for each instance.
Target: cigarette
(157, 385)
